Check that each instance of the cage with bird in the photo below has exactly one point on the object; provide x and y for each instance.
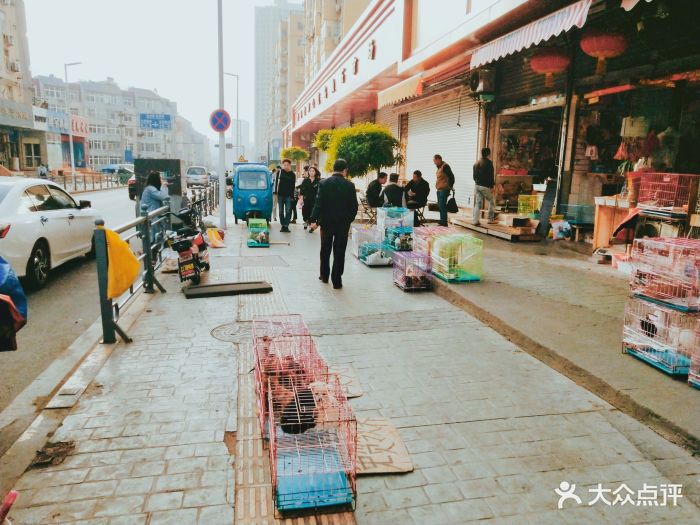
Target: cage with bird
(313, 446)
(667, 192)
(661, 336)
(423, 237)
(694, 371)
(457, 257)
(412, 271)
(392, 217)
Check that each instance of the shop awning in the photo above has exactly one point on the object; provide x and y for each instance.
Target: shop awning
(533, 33)
(409, 88)
(627, 5)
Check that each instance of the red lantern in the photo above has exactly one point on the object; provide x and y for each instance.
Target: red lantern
(550, 60)
(602, 44)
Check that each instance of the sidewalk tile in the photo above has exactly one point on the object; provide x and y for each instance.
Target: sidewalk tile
(175, 517)
(216, 515)
(126, 505)
(164, 501)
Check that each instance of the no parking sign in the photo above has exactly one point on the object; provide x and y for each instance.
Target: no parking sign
(220, 120)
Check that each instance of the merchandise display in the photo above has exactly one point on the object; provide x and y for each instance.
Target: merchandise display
(457, 257)
(258, 233)
(393, 217)
(667, 192)
(423, 237)
(399, 238)
(362, 234)
(412, 271)
(375, 254)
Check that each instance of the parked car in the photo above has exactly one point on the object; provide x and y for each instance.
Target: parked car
(131, 184)
(41, 227)
(213, 176)
(197, 176)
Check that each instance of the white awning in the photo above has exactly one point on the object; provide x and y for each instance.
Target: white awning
(627, 5)
(533, 33)
(409, 88)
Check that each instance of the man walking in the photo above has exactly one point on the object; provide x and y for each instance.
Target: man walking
(275, 184)
(285, 193)
(334, 211)
(444, 183)
(483, 177)
(417, 191)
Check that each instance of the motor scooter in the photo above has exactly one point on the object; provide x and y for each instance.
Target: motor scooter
(191, 247)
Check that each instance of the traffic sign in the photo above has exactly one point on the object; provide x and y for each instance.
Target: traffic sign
(220, 120)
(155, 121)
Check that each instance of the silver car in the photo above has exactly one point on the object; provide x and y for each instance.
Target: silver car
(197, 176)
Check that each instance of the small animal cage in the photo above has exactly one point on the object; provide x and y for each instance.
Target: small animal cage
(363, 234)
(682, 293)
(676, 256)
(313, 446)
(694, 371)
(258, 233)
(659, 335)
(578, 213)
(667, 192)
(412, 271)
(269, 326)
(423, 237)
(375, 254)
(399, 238)
(393, 217)
(457, 258)
(528, 204)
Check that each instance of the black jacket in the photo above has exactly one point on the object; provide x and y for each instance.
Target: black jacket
(308, 189)
(336, 203)
(421, 190)
(393, 194)
(287, 181)
(374, 190)
(483, 173)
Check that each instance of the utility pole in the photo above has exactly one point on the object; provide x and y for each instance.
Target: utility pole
(238, 116)
(222, 134)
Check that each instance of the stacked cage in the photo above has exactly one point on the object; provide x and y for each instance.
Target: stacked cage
(694, 371)
(362, 234)
(667, 192)
(395, 225)
(370, 248)
(457, 257)
(412, 271)
(258, 233)
(313, 448)
(661, 316)
(423, 237)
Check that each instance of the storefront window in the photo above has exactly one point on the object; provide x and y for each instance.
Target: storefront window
(32, 155)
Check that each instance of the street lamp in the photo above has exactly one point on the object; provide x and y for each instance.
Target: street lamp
(238, 117)
(70, 118)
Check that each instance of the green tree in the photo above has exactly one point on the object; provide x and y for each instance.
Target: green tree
(295, 154)
(365, 146)
(322, 139)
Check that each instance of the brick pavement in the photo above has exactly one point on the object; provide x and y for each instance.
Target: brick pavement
(491, 430)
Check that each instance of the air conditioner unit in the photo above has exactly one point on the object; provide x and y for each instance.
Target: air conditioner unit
(15, 67)
(483, 81)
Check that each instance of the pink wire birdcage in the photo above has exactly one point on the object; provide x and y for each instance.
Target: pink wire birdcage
(412, 271)
(423, 237)
(667, 270)
(694, 371)
(659, 335)
(668, 192)
(313, 445)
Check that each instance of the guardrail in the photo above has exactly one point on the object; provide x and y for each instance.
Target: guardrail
(207, 199)
(151, 259)
(88, 181)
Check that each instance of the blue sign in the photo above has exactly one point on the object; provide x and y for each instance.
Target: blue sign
(57, 121)
(220, 120)
(128, 155)
(154, 121)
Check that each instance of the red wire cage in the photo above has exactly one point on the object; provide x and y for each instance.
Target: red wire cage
(667, 192)
(694, 371)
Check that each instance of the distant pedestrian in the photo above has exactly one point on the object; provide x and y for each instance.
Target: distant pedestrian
(417, 191)
(484, 180)
(335, 210)
(275, 184)
(374, 191)
(444, 184)
(393, 193)
(285, 193)
(308, 190)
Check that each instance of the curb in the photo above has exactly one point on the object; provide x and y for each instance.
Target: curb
(582, 377)
(85, 357)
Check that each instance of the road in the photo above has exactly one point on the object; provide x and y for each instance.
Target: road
(60, 312)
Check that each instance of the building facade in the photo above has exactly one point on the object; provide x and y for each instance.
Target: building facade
(267, 34)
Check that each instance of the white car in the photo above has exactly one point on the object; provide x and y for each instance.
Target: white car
(197, 176)
(42, 227)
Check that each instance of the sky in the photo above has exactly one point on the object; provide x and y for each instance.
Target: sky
(169, 45)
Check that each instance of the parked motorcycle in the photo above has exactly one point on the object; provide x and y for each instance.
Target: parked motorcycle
(192, 254)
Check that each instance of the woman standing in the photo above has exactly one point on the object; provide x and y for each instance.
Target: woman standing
(152, 197)
(309, 189)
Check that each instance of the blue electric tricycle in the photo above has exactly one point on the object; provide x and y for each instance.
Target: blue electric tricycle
(252, 191)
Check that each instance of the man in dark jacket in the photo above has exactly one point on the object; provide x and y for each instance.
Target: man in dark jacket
(374, 190)
(334, 211)
(417, 191)
(393, 193)
(484, 180)
(285, 193)
(275, 184)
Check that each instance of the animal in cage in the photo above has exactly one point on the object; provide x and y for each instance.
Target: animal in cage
(457, 257)
(258, 233)
(423, 237)
(313, 447)
(659, 335)
(412, 271)
(394, 217)
(375, 254)
(667, 192)
(399, 238)
(363, 234)
(677, 292)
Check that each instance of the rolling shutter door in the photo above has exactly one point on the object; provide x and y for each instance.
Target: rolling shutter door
(434, 130)
(387, 117)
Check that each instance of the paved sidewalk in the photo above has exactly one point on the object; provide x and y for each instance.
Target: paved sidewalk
(491, 430)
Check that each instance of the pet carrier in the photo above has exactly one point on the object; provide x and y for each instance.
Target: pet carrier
(694, 371)
(258, 233)
(313, 445)
(375, 254)
(393, 217)
(528, 204)
(423, 237)
(399, 238)
(578, 213)
(667, 192)
(362, 234)
(457, 258)
(659, 335)
(412, 271)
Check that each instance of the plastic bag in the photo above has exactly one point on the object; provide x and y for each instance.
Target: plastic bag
(123, 267)
(215, 240)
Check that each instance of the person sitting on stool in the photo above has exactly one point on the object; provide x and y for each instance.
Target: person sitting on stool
(374, 191)
(417, 191)
(393, 193)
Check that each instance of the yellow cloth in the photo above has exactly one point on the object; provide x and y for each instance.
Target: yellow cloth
(215, 240)
(123, 267)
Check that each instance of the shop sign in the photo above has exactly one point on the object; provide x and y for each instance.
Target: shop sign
(57, 121)
(16, 114)
(79, 126)
(40, 118)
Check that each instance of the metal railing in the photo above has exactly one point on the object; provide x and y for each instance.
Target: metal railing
(81, 182)
(151, 259)
(207, 199)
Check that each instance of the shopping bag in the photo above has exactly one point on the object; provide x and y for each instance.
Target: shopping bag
(452, 204)
(123, 267)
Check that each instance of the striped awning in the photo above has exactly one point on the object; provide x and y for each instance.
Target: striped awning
(409, 88)
(627, 5)
(533, 33)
